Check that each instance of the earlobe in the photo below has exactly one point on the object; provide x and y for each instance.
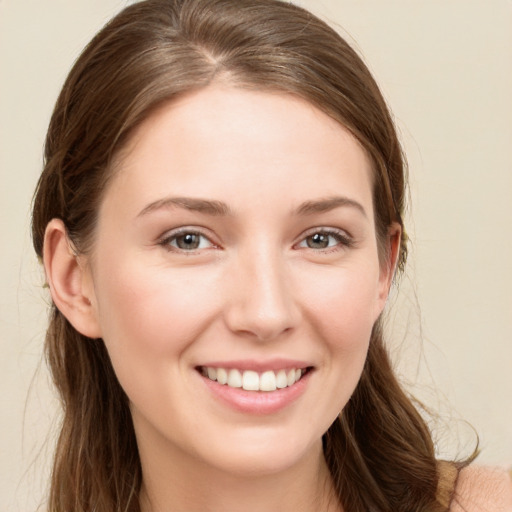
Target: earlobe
(69, 280)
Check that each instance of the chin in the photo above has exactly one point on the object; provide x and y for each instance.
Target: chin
(260, 454)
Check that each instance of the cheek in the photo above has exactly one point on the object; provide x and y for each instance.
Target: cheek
(342, 304)
(147, 312)
(340, 314)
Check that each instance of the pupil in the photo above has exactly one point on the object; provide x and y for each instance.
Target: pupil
(318, 241)
(188, 241)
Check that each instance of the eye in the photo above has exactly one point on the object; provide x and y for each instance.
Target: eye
(326, 239)
(186, 241)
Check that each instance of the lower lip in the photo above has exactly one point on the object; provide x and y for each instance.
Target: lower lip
(257, 402)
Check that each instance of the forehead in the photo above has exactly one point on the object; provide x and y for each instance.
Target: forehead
(246, 144)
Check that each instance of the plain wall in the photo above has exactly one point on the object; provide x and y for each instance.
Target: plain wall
(445, 67)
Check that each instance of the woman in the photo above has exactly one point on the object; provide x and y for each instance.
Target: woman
(220, 219)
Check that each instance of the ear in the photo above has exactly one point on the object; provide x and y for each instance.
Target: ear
(70, 280)
(388, 266)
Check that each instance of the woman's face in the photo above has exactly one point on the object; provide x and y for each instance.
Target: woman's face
(236, 242)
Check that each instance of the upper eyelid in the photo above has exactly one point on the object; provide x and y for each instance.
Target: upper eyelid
(316, 229)
(197, 230)
(328, 230)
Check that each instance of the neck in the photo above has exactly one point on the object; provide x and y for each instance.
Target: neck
(190, 485)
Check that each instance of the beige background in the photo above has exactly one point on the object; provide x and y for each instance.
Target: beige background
(446, 68)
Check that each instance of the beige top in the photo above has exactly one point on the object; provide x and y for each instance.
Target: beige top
(482, 489)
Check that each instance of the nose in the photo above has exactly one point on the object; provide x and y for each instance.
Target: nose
(262, 304)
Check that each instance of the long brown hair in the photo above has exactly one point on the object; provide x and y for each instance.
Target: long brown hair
(379, 451)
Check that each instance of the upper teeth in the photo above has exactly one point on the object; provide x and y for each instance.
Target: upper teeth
(254, 381)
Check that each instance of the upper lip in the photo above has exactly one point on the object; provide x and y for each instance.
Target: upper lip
(258, 366)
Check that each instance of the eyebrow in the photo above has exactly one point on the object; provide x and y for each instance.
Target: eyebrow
(328, 204)
(219, 208)
(206, 206)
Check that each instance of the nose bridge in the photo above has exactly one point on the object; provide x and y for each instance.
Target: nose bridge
(262, 303)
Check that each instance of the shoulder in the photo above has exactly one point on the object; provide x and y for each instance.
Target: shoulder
(482, 489)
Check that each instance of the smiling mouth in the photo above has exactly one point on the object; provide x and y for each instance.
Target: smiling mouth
(250, 380)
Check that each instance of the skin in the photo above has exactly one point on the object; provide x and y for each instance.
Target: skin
(483, 489)
(256, 288)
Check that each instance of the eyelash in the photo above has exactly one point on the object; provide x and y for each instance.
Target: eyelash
(343, 240)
